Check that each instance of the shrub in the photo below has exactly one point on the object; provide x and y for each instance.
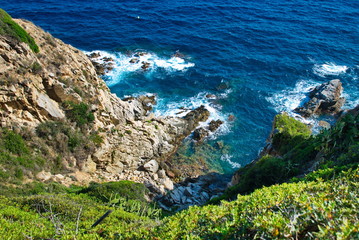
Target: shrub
(126, 189)
(290, 132)
(79, 113)
(36, 68)
(14, 143)
(10, 28)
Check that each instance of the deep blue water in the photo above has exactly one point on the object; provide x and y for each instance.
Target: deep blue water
(267, 53)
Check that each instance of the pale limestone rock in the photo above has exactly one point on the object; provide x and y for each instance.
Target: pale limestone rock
(50, 106)
(167, 183)
(43, 176)
(151, 166)
(89, 166)
(161, 173)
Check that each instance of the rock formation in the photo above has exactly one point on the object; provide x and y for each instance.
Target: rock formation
(323, 99)
(135, 143)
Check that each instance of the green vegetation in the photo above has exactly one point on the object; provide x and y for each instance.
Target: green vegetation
(305, 210)
(10, 28)
(57, 212)
(16, 157)
(79, 113)
(332, 151)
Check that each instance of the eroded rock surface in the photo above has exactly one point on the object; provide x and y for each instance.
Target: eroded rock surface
(324, 99)
(34, 87)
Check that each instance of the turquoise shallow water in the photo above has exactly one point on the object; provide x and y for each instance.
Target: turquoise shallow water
(267, 54)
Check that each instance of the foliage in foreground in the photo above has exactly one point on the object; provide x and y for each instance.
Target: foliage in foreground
(304, 210)
(10, 28)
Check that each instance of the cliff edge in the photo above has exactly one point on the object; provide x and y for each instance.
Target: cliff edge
(54, 95)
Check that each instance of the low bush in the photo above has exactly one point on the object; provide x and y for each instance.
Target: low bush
(78, 113)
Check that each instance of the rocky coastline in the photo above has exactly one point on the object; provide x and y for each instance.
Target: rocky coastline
(134, 144)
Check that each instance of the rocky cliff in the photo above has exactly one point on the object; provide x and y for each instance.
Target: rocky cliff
(45, 87)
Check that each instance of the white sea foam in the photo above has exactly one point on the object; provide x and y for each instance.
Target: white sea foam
(182, 107)
(289, 99)
(123, 65)
(329, 69)
(228, 158)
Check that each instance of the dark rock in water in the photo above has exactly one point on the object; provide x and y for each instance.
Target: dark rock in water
(195, 116)
(179, 54)
(199, 134)
(211, 96)
(107, 59)
(214, 125)
(324, 98)
(145, 65)
(94, 55)
(100, 68)
(219, 145)
(231, 118)
(134, 60)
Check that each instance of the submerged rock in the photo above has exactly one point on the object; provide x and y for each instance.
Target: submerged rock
(324, 98)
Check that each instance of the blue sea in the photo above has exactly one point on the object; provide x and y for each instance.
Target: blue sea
(249, 59)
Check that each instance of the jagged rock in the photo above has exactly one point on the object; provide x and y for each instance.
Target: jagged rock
(199, 134)
(151, 166)
(131, 135)
(214, 125)
(324, 98)
(89, 166)
(195, 116)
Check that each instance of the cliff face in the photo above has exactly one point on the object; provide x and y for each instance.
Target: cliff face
(35, 88)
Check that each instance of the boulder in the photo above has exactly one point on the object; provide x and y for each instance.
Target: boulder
(324, 98)
(199, 134)
(195, 116)
(151, 166)
(168, 184)
(214, 125)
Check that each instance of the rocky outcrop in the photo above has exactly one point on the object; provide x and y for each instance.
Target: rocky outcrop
(323, 99)
(33, 88)
(194, 191)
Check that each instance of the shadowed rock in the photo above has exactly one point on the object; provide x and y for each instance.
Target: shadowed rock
(324, 98)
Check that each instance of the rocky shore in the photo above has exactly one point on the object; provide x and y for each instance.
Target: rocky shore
(36, 87)
(132, 144)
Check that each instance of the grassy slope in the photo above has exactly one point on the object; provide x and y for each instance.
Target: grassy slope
(10, 28)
